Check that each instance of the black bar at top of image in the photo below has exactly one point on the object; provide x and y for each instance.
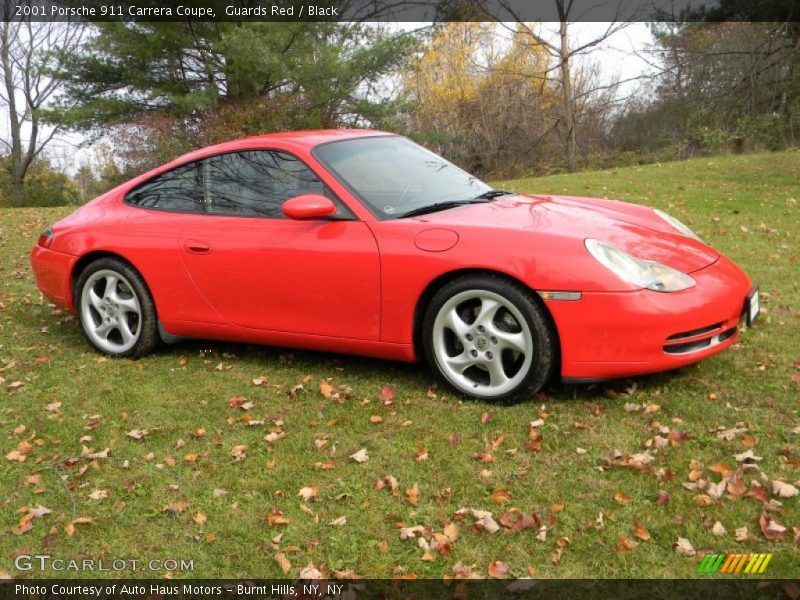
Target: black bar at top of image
(733, 588)
(400, 10)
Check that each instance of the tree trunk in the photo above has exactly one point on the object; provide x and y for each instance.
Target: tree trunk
(566, 87)
(16, 171)
(17, 192)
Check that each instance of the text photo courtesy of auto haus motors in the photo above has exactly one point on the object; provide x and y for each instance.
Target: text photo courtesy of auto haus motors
(422, 299)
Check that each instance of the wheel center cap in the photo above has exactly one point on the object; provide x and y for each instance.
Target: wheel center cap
(481, 343)
(110, 311)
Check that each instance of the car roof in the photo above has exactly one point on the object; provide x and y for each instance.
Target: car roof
(295, 140)
(314, 137)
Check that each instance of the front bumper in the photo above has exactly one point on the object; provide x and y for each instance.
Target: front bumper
(618, 334)
(52, 272)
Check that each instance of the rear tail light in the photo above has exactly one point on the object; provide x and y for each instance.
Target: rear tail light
(46, 238)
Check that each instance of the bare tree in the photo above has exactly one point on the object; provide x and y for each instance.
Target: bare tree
(564, 58)
(29, 52)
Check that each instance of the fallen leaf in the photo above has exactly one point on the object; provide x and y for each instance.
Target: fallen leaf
(39, 511)
(625, 544)
(275, 517)
(771, 529)
(310, 572)
(23, 528)
(640, 531)
(238, 452)
(497, 569)
(338, 522)
(747, 456)
(622, 498)
(326, 389)
(99, 495)
(136, 434)
(236, 401)
(485, 520)
(684, 547)
(375, 419)
(176, 508)
(283, 562)
(741, 534)
(260, 381)
(783, 489)
(757, 492)
(485, 418)
(386, 394)
(199, 518)
(412, 495)
(361, 456)
(662, 498)
(309, 492)
(500, 496)
(718, 529)
(716, 490)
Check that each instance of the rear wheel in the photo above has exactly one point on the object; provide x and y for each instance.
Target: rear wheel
(489, 338)
(115, 310)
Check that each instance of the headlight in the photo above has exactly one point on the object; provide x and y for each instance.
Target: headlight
(643, 273)
(677, 225)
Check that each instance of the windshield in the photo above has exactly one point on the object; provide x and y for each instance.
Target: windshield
(394, 176)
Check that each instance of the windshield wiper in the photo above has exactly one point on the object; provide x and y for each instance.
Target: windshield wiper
(492, 194)
(436, 206)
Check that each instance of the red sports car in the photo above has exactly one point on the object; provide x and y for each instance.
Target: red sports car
(364, 242)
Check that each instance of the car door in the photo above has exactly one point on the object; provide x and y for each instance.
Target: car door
(262, 270)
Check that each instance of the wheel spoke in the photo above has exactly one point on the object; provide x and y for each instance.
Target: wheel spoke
(103, 330)
(487, 313)
(110, 292)
(497, 375)
(456, 324)
(511, 341)
(125, 330)
(96, 301)
(127, 305)
(460, 362)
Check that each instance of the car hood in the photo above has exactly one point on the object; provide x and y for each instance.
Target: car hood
(634, 228)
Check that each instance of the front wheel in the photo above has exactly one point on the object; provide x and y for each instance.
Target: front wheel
(489, 338)
(115, 310)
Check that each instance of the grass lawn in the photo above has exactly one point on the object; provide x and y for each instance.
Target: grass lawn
(232, 443)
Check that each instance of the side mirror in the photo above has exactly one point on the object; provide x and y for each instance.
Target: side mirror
(308, 206)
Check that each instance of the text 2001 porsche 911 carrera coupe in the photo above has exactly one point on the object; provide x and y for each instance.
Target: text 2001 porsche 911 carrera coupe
(364, 242)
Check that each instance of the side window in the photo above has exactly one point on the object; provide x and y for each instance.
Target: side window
(178, 190)
(256, 183)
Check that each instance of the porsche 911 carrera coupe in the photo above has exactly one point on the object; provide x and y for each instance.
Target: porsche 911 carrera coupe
(363, 242)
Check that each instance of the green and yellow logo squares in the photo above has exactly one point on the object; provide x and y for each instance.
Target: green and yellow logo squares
(734, 563)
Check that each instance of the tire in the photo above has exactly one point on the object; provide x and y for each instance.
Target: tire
(489, 338)
(115, 310)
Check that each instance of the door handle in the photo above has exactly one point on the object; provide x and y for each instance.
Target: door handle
(196, 247)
